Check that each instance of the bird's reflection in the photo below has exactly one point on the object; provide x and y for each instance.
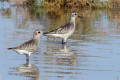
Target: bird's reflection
(64, 56)
(27, 70)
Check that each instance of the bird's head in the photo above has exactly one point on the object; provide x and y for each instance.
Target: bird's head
(37, 33)
(74, 14)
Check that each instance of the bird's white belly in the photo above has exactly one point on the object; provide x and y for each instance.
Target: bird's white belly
(64, 35)
(69, 33)
(23, 52)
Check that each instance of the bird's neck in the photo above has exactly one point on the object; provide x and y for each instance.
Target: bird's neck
(37, 41)
(36, 38)
(72, 20)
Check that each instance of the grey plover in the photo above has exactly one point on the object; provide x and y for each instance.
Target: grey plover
(64, 31)
(29, 46)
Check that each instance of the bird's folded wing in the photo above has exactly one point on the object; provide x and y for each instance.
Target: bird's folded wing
(29, 46)
(61, 30)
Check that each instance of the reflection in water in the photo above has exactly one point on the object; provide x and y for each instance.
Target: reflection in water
(62, 58)
(60, 50)
(26, 70)
(4, 5)
(6, 12)
(70, 60)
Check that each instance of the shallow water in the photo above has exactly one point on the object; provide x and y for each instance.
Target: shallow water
(92, 53)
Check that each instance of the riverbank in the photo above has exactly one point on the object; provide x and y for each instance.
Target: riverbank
(94, 4)
(75, 4)
(69, 4)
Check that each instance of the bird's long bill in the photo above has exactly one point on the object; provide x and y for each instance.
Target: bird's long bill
(45, 33)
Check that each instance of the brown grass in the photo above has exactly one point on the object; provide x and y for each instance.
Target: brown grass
(67, 3)
(82, 4)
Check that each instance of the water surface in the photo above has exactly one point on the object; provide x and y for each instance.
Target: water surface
(92, 53)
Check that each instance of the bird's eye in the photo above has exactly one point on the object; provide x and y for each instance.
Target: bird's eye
(39, 32)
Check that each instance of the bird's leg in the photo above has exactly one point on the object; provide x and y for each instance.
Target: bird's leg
(27, 58)
(64, 40)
